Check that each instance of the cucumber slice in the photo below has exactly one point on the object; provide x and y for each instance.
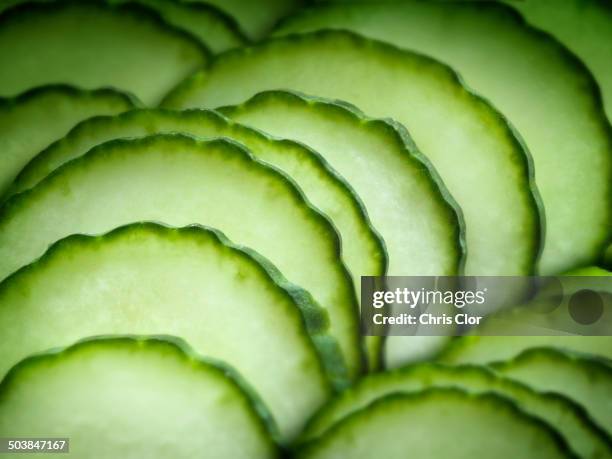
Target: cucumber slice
(232, 304)
(362, 248)
(535, 82)
(405, 198)
(438, 423)
(584, 26)
(466, 140)
(586, 381)
(179, 180)
(256, 18)
(132, 398)
(31, 121)
(486, 349)
(90, 44)
(582, 435)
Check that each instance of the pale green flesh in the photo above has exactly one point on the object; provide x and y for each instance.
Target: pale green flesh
(178, 180)
(255, 17)
(569, 419)
(404, 202)
(438, 423)
(405, 199)
(132, 399)
(486, 349)
(361, 247)
(123, 46)
(587, 382)
(543, 90)
(150, 280)
(464, 138)
(584, 26)
(32, 121)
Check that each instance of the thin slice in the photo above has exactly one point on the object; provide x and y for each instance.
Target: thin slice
(487, 349)
(405, 198)
(32, 120)
(91, 44)
(179, 180)
(584, 26)
(438, 423)
(533, 81)
(582, 435)
(230, 303)
(465, 139)
(131, 398)
(362, 248)
(584, 380)
(256, 18)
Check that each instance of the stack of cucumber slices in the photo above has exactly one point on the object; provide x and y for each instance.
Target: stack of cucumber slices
(191, 191)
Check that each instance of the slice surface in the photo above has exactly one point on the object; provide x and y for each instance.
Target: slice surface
(255, 18)
(533, 81)
(362, 248)
(585, 27)
(586, 381)
(403, 195)
(405, 199)
(93, 45)
(456, 130)
(190, 282)
(133, 398)
(32, 120)
(470, 426)
(179, 180)
(584, 437)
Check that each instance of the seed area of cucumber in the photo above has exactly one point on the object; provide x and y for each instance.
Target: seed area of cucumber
(135, 397)
(125, 46)
(36, 118)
